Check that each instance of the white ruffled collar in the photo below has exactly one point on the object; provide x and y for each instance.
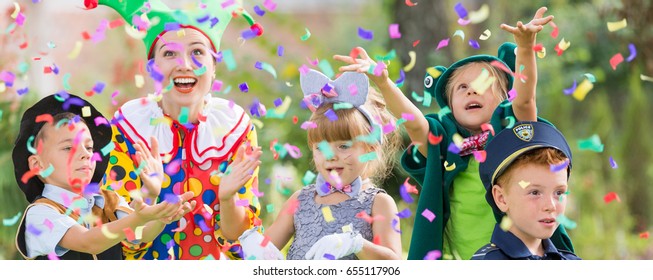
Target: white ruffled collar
(215, 137)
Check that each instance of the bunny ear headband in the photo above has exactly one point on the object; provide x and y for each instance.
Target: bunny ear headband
(350, 88)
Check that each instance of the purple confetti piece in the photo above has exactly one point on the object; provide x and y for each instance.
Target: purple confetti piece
(214, 21)
(278, 102)
(331, 115)
(570, 90)
(613, 163)
(428, 215)
(33, 230)
(195, 61)
(173, 167)
(8, 78)
(378, 69)
(402, 77)
(98, 88)
(258, 65)
(433, 255)
(203, 19)
(325, 188)
(329, 257)
(405, 195)
(512, 94)
(268, 181)
(243, 87)
(327, 88)
(55, 69)
(96, 157)
(91, 188)
(170, 244)
(203, 226)
(453, 148)
(260, 12)
(404, 213)
(248, 34)
(460, 10)
(22, 91)
(474, 44)
(633, 52)
(280, 50)
(72, 101)
(365, 35)
(101, 120)
(153, 70)
(171, 198)
(395, 222)
(558, 167)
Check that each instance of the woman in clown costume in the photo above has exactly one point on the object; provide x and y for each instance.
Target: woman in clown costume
(208, 145)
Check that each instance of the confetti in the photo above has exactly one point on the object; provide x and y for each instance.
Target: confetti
(435, 73)
(593, 143)
(404, 192)
(562, 46)
(566, 222)
(409, 3)
(645, 78)
(482, 82)
(428, 215)
(644, 235)
(326, 68)
(129, 234)
(47, 172)
(570, 90)
(108, 148)
(609, 197)
(229, 60)
(480, 155)
(271, 6)
(559, 167)
(614, 26)
(328, 216)
(460, 10)
(474, 44)
(325, 149)
(12, 221)
(411, 64)
(404, 213)
(434, 140)
(615, 60)
(76, 50)
(368, 157)
(306, 35)
(523, 184)
(554, 32)
(107, 233)
(613, 163)
(486, 35)
(393, 29)
(443, 43)
(480, 15)
(365, 34)
(432, 255)
(460, 34)
(582, 90)
(242, 202)
(505, 224)
(633, 52)
(448, 167)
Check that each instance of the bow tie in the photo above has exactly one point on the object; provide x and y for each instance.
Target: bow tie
(324, 188)
(473, 143)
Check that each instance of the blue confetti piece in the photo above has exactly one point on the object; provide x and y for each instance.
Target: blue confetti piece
(405, 195)
(172, 26)
(453, 148)
(327, 87)
(248, 34)
(214, 21)
(331, 115)
(32, 229)
(197, 63)
(203, 19)
(329, 257)
(92, 188)
(404, 213)
(395, 222)
(474, 44)
(243, 87)
(171, 198)
(260, 12)
(365, 34)
(280, 50)
(559, 167)
(613, 163)
(258, 65)
(460, 10)
(22, 91)
(99, 87)
(402, 77)
(278, 102)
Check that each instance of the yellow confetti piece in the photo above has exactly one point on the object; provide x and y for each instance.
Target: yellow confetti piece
(138, 233)
(2, 87)
(458, 140)
(161, 120)
(134, 33)
(411, 64)
(482, 82)
(582, 90)
(614, 26)
(480, 15)
(506, 223)
(435, 73)
(328, 216)
(139, 80)
(86, 111)
(258, 123)
(16, 10)
(181, 33)
(542, 53)
(486, 35)
(154, 97)
(524, 184)
(641, 76)
(460, 34)
(564, 45)
(76, 50)
(280, 111)
(107, 233)
(448, 167)
(347, 228)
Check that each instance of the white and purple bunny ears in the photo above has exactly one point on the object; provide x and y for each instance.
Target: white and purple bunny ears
(350, 88)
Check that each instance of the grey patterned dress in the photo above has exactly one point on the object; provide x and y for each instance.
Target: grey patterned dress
(310, 224)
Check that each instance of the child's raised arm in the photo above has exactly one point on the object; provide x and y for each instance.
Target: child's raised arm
(524, 105)
(397, 102)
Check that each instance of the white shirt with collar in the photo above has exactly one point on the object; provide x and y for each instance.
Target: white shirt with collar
(45, 226)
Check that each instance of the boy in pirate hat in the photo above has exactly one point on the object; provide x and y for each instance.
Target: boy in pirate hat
(208, 145)
(472, 93)
(56, 167)
(525, 176)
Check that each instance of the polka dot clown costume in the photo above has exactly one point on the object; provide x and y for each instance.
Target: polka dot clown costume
(195, 147)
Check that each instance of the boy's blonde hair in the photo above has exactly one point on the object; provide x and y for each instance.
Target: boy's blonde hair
(499, 87)
(351, 123)
(541, 156)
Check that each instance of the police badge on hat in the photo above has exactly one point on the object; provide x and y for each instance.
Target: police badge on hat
(524, 132)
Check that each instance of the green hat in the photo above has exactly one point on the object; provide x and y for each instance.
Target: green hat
(436, 85)
(155, 18)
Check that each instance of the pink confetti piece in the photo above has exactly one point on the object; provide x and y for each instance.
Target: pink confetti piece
(227, 3)
(616, 60)
(633, 52)
(443, 43)
(407, 116)
(378, 69)
(512, 94)
(129, 234)
(173, 167)
(48, 224)
(365, 34)
(428, 215)
(304, 69)
(217, 86)
(20, 19)
(53, 256)
(306, 125)
(242, 202)
(101, 120)
(480, 156)
(393, 29)
(463, 21)
(433, 255)
(554, 33)
(270, 5)
(487, 127)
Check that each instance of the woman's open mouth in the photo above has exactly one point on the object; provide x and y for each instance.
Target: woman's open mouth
(184, 84)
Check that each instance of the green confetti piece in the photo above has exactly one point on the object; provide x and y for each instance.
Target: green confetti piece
(590, 77)
(169, 87)
(368, 157)
(270, 208)
(0, 115)
(566, 222)
(61, 122)
(30, 146)
(511, 121)
(443, 112)
(306, 35)
(400, 121)
(427, 99)
(326, 68)
(12, 221)
(414, 152)
(372, 138)
(325, 148)
(229, 60)
(593, 143)
(66, 83)
(308, 178)
(47, 172)
(417, 97)
(282, 190)
(389, 56)
(268, 68)
(200, 71)
(23, 67)
(342, 105)
(108, 148)
(183, 115)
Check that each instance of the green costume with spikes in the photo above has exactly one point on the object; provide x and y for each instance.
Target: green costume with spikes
(438, 183)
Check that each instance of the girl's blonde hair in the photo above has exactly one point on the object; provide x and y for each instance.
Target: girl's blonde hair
(351, 123)
(499, 87)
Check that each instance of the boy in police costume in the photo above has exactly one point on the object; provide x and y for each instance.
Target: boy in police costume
(525, 176)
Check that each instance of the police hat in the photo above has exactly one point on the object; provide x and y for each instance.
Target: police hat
(54, 104)
(510, 143)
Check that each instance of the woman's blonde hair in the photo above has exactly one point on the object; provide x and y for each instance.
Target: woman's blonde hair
(351, 123)
(499, 87)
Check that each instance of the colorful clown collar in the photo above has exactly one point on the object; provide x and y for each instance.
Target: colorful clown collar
(213, 138)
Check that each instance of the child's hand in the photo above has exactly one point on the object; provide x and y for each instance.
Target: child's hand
(525, 33)
(152, 172)
(362, 65)
(183, 209)
(239, 172)
(164, 211)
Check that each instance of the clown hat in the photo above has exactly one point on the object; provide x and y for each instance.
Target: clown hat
(153, 18)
